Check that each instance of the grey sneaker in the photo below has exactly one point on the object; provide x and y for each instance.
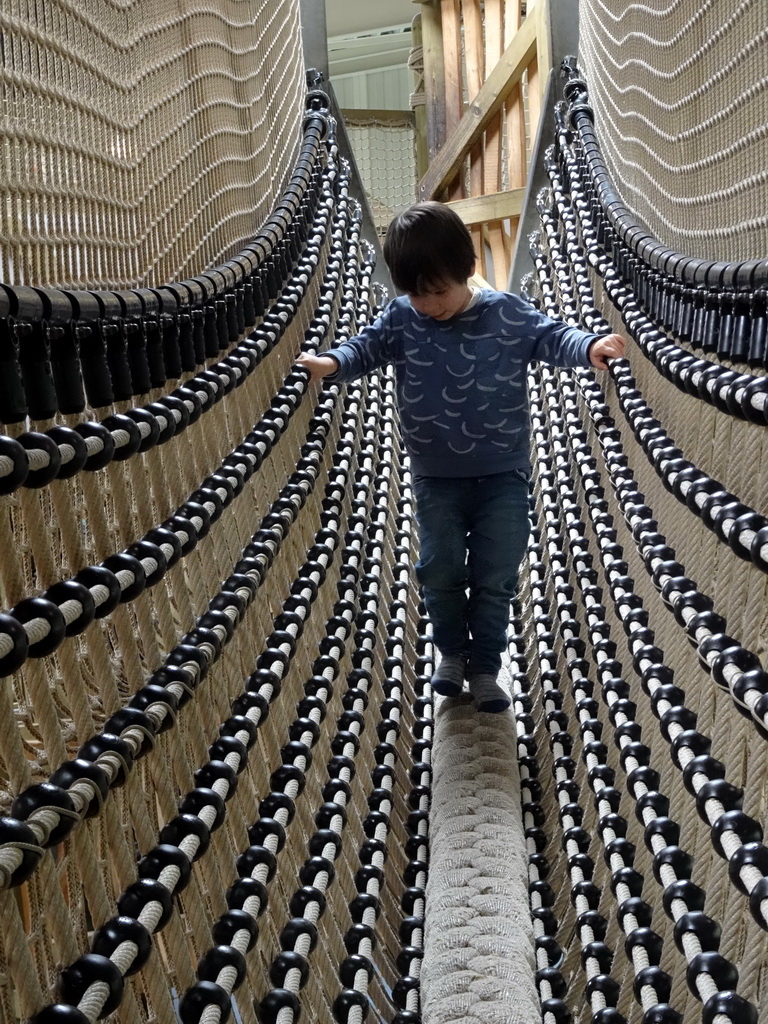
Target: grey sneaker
(448, 677)
(487, 693)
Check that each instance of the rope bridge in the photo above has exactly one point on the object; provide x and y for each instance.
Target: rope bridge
(226, 791)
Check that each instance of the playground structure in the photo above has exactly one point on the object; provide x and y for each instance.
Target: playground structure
(227, 790)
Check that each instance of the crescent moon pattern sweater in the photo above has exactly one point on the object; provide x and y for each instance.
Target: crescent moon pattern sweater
(461, 383)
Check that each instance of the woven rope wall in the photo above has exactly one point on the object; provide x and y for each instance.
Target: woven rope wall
(142, 140)
(639, 654)
(208, 702)
(680, 92)
(216, 719)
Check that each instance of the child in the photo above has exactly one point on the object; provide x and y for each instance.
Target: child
(460, 356)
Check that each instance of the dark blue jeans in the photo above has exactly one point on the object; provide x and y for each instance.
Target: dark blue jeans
(473, 533)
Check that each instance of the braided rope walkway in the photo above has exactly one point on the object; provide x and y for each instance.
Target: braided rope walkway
(478, 944)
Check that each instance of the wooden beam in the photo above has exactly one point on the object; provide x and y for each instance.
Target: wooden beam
(496, 206)
(434, 76)
(494, 232)
(481, 110)
(419, 99)
(454, 83)
(475, 64)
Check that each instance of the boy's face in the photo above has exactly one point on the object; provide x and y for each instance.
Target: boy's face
(441, 301)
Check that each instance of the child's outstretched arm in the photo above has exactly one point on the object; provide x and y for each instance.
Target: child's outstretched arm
(610, 346)
(318, 366)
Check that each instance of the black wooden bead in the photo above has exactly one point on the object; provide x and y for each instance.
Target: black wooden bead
(758, 894)
(219, 770)
(86, 971)
(305, 895)
(244, 889)
(662, 1013)
(657, 979)
(359, 932)
(15, 832)
(702, 764)
(295, 749)
(153, 863)
(286, 960)
(30, 608)
(594, 921)
(558, 1009)
(73, 590)
(295, 927)
(746, 828)
(546, 919)
(315, 865)
(608, 1015)
(597, 951)
(658, 802)
(15, 658)
(218, 957)
(132, 718)
(60, 1013)
(646, 939)
(679, 859)
(32, 441)
(255, 856)
(402, 989)
(404, 962)
(366, 901)
(554, 979)
(661, 826)
(74, 771)
(198, 798)
(752, 853)
(229, 924)
(703, 927)
(349, 998)
(277, 801)
(586, 889)
(722, 971)
(139, 894)
(731, 1005)
(109, 743)
(551, 948)
(124, 562)
(202, 995)
(46, 795)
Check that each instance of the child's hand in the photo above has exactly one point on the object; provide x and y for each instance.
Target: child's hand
(318, 366)
(611, 346)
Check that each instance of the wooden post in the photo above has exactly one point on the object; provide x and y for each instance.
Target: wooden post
(517, 149)
(494, 47)
(475, 61)
(419, 104)
(454, 88)
(434, 76)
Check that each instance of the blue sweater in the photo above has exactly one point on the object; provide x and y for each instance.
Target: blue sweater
(461, 383)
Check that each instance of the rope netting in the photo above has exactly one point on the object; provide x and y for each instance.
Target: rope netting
(680, 92)
(640, 676)
(142, 140)
(385, 157)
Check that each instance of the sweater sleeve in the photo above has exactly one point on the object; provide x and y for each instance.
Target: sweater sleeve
(371, 348)
(558, 343)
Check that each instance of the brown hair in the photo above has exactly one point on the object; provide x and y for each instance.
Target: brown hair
(428, 245)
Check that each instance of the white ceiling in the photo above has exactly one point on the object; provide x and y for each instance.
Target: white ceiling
(348, 17)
